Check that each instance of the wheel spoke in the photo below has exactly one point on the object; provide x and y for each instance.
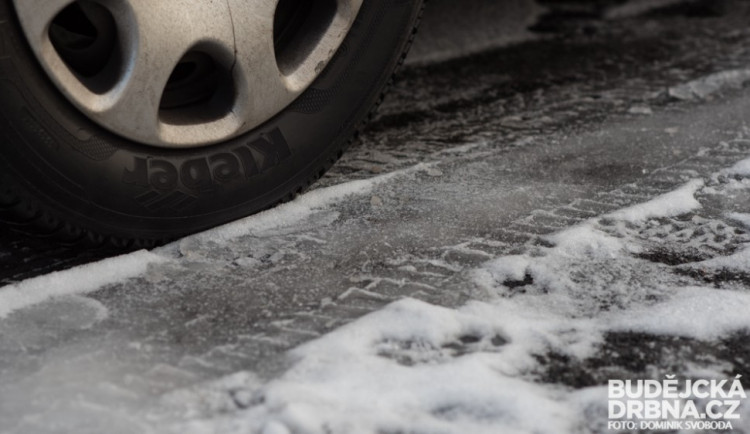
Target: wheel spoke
(36, 16)
(264, 86)
(261, 86)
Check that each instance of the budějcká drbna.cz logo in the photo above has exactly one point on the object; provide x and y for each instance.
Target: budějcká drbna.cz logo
(674, 404)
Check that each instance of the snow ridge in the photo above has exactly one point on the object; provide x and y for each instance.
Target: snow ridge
(79, 280)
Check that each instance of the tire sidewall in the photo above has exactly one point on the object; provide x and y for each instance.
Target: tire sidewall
(59, 159)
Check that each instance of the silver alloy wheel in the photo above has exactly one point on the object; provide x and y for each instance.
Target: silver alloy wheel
(184, 73)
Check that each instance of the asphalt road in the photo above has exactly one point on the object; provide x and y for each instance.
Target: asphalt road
(473, 157)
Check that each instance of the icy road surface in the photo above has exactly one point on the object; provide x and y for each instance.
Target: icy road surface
(515, 229)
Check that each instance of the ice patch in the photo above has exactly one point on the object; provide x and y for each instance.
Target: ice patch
(80, 280)
(71, 312)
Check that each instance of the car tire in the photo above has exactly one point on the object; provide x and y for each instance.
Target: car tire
(66, 174)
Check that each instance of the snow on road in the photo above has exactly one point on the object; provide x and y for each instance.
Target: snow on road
(507, 266)
(417, 367)
(669, 267)
(665, 267)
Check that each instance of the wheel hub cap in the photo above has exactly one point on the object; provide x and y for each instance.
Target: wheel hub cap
(184, 73)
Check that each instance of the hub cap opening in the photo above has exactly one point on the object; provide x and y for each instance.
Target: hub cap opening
(199, 90)
(84, 34)
(298, 27)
